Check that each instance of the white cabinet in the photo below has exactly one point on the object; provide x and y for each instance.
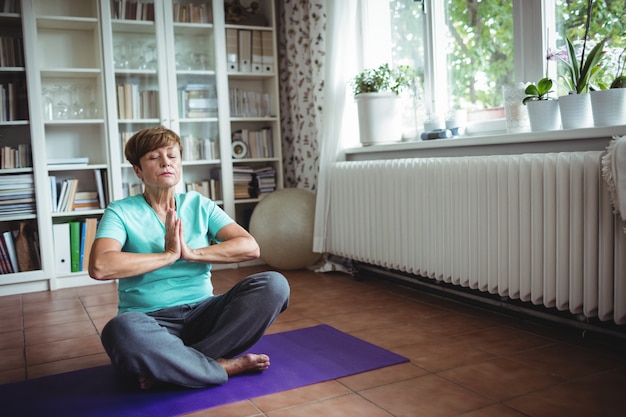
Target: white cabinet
(254, 107)
(98, 71)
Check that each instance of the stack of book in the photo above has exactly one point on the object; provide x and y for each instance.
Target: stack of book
(65, 195)
(197, 101)
(17, 194)
(265, 180)
(242, 179)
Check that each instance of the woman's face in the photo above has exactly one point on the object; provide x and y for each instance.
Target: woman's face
(161, 167)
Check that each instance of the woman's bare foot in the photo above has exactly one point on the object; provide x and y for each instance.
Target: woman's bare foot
(147, 383)
(250, 362)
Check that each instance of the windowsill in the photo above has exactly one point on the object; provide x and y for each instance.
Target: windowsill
(497, 143)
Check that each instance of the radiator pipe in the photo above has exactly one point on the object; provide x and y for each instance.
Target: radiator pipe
(505, 303)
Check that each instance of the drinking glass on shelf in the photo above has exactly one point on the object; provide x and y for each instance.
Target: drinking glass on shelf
(48, 104)
(93, 112)
(77, 109)
(151, 57)
(120, 56)
(61, 108)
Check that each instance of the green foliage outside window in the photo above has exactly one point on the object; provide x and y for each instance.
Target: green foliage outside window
(480, 46)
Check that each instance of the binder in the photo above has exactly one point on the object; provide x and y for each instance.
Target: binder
(232, 57)
(62, 248)
(245, 50)
(75, 246)
(91, 224)
(257, 51)
(267, 45)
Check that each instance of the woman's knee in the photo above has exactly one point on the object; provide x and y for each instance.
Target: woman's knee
(123, 327)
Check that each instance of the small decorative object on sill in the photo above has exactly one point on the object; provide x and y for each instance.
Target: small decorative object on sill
(516, 113)
(238, 14)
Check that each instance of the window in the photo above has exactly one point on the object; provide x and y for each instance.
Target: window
(466, 51)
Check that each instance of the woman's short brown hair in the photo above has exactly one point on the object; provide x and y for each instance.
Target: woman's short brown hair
(148, 139)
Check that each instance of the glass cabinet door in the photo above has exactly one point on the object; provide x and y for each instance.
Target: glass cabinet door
(163, 60)
(196, 101)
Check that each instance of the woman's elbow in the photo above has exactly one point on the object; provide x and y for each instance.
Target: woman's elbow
(97, 272)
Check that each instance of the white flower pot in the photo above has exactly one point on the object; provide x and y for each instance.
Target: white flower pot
(576, 111)
(380, 118)
(544, 115)
(609, 107)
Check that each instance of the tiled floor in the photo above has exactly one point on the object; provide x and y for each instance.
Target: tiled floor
(465, 361)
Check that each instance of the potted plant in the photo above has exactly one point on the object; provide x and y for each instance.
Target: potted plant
(609, 105)
(377, 94)
(543, 110)
(575, 107)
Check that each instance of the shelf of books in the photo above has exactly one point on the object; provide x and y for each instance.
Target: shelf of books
(20, 260)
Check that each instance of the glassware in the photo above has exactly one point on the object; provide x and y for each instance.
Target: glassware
(93, 112)
(151, 57)
(61, 108)
(77, 110)
(48, 104)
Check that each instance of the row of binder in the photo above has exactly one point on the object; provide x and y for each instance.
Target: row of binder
(249, 50)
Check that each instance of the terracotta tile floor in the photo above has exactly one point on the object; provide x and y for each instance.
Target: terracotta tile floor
(465, 361)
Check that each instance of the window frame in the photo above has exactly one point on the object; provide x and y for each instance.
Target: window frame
(532, 21)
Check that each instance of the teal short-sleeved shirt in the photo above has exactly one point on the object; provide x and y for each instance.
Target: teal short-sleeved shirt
(133, 223)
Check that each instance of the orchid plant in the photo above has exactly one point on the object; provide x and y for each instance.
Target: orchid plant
(579, 74)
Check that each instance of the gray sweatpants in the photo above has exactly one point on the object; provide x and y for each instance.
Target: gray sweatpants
(180, 344)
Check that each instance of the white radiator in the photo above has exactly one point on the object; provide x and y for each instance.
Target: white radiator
(533, 227)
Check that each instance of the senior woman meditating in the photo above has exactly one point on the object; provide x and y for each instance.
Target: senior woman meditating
(160, 245)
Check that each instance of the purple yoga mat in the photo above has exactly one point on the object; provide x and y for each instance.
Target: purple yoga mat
(299, 357)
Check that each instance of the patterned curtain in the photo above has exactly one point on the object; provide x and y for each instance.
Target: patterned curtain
(301, 55)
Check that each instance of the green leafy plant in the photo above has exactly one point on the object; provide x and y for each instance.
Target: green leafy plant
(580, 74)
(383, 79)
(539, 91)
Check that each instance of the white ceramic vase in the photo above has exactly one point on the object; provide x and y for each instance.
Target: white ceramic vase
(576, 111)
(380, 118)
(609, 107)
(544, 115)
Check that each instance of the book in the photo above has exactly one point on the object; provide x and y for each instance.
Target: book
(91, 225)
(232, 55)
(257, 51)
(26, 242)
(79, 160)
(5, 262)
(267, 47)
(74, 246)
(10, 245)
(100, 186)
(245, 50)
(61, 235)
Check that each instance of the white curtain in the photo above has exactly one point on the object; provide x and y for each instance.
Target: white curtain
(338, 120)
(357, 37)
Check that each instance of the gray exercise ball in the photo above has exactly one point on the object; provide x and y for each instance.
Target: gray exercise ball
(282, 224)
